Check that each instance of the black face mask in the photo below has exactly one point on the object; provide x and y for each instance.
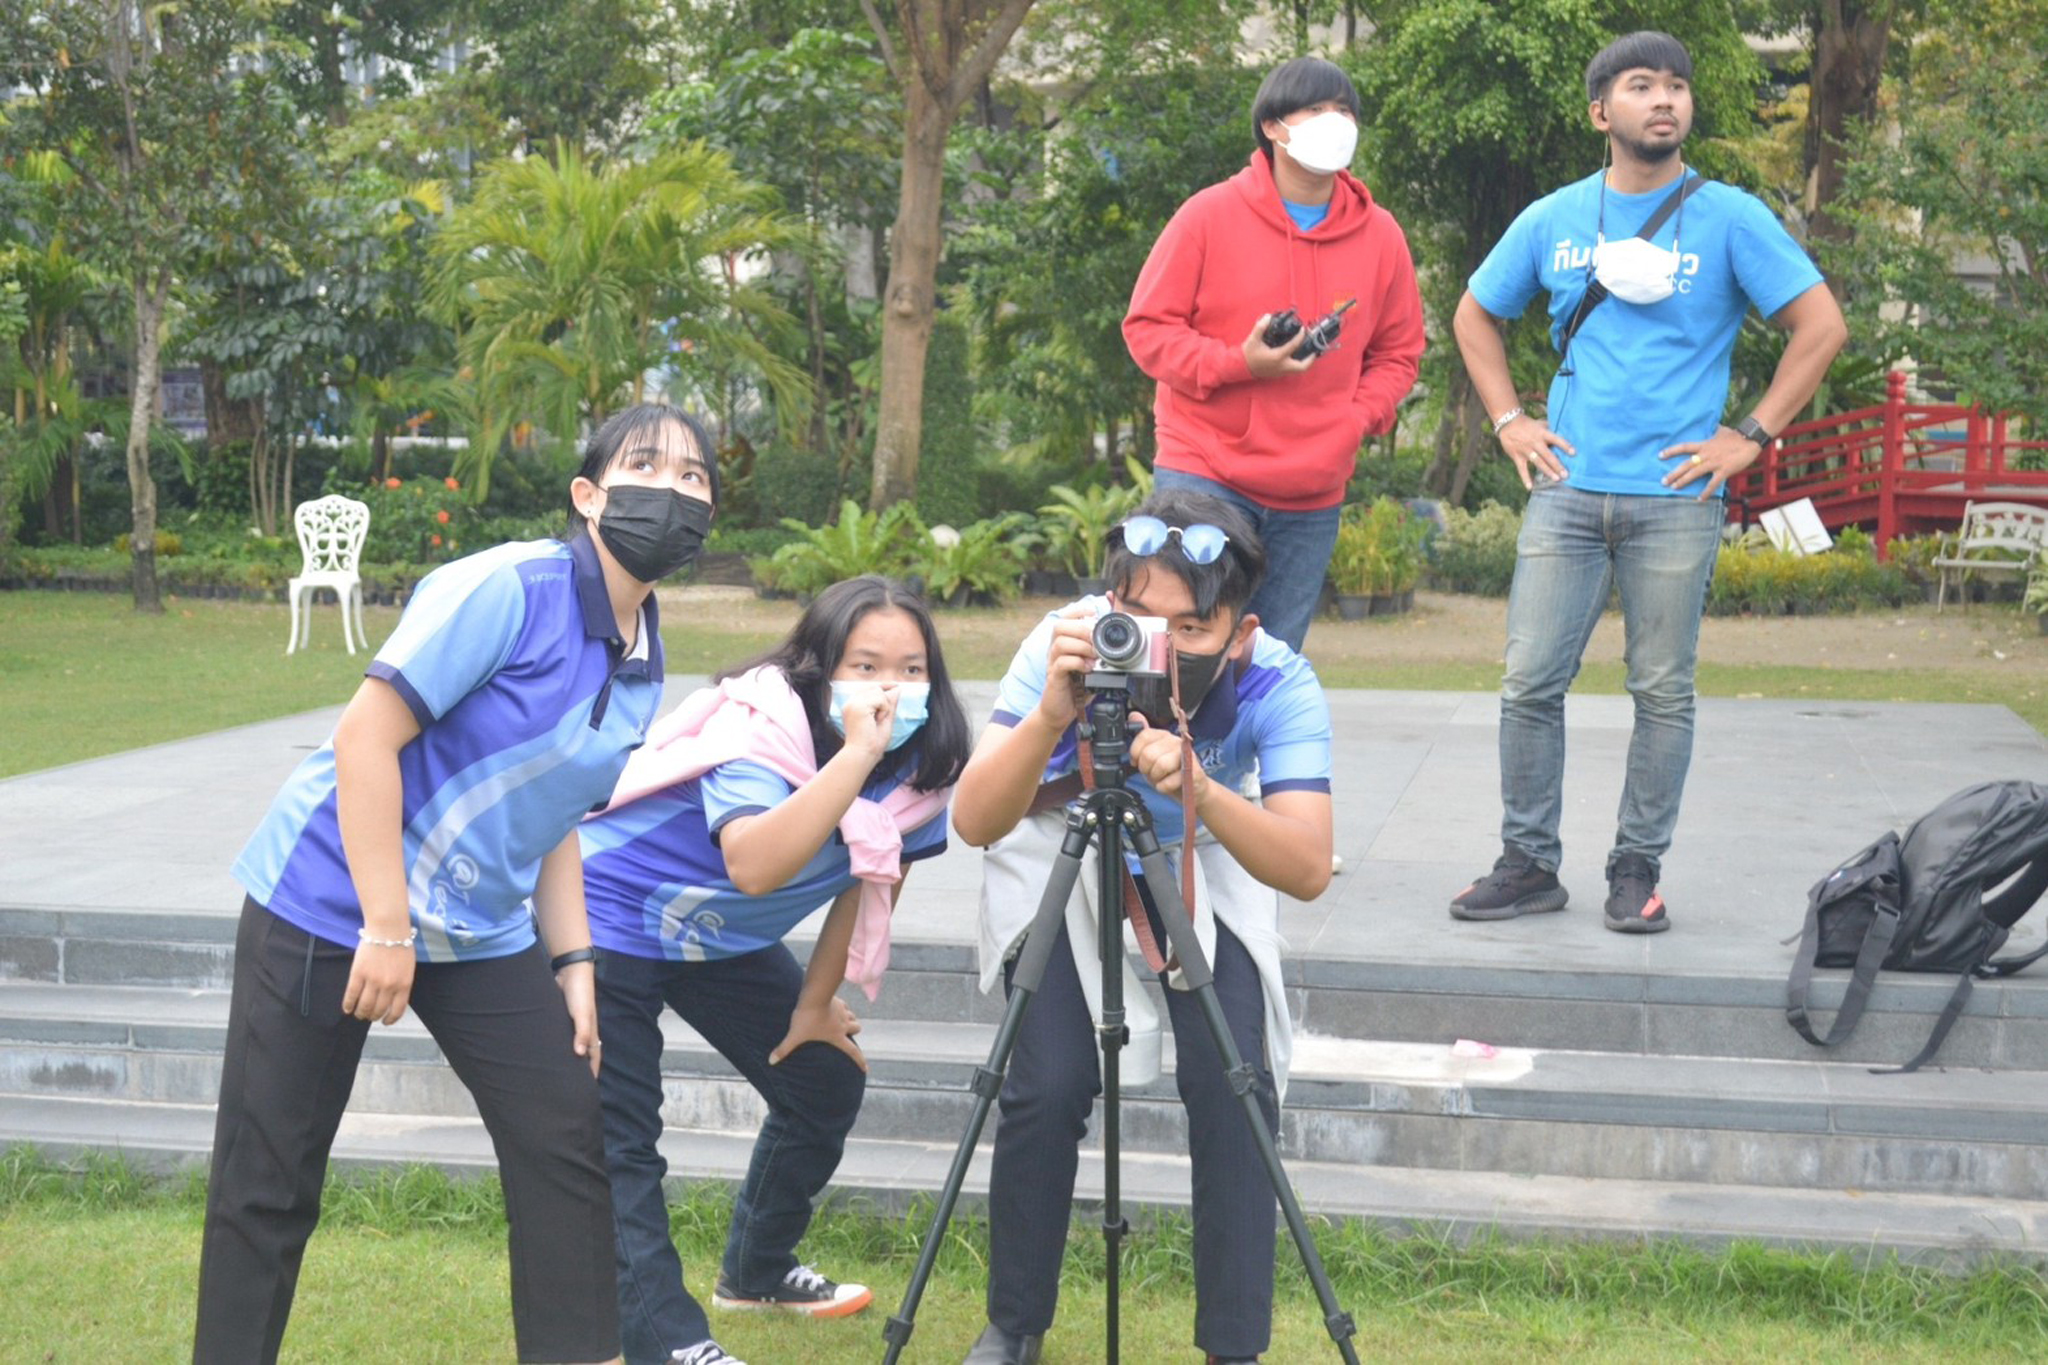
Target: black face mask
(1153, 698)
(652, 532)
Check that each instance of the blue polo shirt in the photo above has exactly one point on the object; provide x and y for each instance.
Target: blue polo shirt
(1267, 715)
(527, 704)
(1644, 376)
(655, 881)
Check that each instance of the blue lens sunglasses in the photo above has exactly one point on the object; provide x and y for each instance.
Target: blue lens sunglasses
(1200, 543)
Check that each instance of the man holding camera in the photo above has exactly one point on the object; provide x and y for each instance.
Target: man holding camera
(1255, 416)
(1254, 706)
(1650, 271)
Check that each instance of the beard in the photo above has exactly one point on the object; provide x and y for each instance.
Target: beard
(1651, 153)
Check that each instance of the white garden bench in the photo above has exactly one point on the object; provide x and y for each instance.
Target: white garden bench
(1995, 538)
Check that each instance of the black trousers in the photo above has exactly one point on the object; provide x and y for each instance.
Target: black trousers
(1055, 1074)
(290, 1064)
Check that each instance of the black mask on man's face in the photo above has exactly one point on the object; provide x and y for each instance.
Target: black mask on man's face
(652, 532)
(1198, 673)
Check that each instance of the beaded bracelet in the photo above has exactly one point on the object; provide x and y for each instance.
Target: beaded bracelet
(366, 936)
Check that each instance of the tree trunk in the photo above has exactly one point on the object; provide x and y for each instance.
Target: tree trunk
(227, 419)
(1850, 38)
(1448, 449)
(907, 300)
(150, 290)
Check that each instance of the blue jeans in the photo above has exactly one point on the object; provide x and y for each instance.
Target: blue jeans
(741, 1006)
(1659, 552)
(1298, 546)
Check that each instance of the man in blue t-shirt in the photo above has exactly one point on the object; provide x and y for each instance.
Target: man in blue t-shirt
(1625, 469)
(1193, 562)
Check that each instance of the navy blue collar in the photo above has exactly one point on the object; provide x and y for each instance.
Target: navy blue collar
(595, 599)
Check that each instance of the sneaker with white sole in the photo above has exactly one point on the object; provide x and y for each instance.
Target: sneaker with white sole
(704, 1353)
(803, 1290)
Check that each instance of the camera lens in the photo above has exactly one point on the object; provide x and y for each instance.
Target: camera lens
(1119, 641)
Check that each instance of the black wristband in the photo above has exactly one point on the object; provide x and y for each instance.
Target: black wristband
(571, 958)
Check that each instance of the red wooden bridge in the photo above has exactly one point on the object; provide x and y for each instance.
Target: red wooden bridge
(1902, 468)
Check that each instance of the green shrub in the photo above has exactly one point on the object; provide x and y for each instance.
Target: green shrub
(168, 543)
(858, 543)
(979, 562)
(794, 483)
(1475, 551)
(422, 520)
(1765, 581)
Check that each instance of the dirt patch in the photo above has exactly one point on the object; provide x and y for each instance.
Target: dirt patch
(1452, 628)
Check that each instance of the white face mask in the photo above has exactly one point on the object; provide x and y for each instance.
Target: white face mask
(1636, 271)
(1323, 143)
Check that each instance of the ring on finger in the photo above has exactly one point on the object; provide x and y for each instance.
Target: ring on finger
(1694, 460)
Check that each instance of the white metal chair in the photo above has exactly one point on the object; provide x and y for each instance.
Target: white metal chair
(331, 532)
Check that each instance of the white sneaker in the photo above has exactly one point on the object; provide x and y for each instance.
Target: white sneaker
(704, 1353)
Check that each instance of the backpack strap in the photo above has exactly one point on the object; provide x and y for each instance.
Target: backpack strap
(1596, 292)
(1959, 997)
(1869, 957)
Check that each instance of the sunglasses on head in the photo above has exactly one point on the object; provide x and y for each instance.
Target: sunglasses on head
(1200, 543)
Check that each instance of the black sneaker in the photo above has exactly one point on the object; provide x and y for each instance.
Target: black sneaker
(1514, 887)
(803, 1290)
(1633, 905)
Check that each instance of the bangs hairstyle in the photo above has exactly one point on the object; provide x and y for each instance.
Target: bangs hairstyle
(1296, 85)
(1646, 49)
(629, 430)
(1229, 582)
(812, 653)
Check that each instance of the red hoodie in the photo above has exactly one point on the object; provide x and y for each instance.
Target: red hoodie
(1231, 254)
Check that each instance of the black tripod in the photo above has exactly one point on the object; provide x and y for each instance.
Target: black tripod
(1108, 816)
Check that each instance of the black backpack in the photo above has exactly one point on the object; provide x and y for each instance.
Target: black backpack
(1919, 904)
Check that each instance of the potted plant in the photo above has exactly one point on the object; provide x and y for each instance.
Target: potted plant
(1077, 526)
(980, 563)
(1357, 565)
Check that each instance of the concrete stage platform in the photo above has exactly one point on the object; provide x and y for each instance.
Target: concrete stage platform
(1658, 1062)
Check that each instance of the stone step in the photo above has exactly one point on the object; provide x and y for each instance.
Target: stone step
(1551, 1112)
(1702, 1011)
(1946, 1231)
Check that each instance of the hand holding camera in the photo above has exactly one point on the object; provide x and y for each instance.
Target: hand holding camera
(1286, 326)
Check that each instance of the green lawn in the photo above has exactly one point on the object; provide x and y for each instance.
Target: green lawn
(81, 674)
(410, 1266)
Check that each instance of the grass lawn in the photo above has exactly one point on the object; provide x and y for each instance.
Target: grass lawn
(82, 675)
(101, 1262)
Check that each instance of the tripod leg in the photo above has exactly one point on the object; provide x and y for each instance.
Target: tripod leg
(1201, 981)
(988, 1079)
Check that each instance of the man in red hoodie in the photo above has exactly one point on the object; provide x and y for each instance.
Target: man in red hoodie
(1275, 433)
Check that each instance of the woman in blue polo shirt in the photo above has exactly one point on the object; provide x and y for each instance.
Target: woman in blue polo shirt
(808, 777)
(416, 858)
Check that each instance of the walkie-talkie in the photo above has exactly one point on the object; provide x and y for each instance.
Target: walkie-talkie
(1316, 340)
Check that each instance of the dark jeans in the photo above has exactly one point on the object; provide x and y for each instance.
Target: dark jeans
(741, 1006)
(1055, 1074)
(290, 1064)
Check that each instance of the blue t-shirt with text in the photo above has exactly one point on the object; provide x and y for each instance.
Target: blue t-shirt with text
(1644, 376)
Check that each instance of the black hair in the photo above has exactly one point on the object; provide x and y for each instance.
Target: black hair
(616, 436)
(1228, 582)
(1296, 85)
(813, 650)
(1646, 49)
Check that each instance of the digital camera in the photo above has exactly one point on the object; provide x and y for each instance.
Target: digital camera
(1131, 644)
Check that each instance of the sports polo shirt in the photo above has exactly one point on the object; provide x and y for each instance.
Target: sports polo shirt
(510, 661)
(1645, 376)
(1267, 715)
(655, 881)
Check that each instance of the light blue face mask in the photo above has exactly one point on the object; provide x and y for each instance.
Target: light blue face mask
(913, 701)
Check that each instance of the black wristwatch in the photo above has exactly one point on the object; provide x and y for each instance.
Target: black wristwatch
(1753, 430)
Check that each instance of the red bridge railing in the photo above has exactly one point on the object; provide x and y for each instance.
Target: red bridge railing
(1897, 469)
